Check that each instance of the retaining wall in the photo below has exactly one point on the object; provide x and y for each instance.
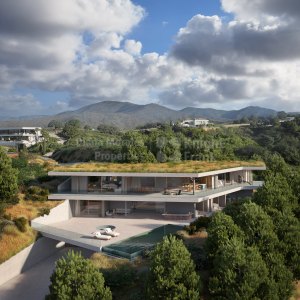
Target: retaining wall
(27, 258)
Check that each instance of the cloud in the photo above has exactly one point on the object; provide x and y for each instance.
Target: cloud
(12, 104)
(262, 9)
(82, 47)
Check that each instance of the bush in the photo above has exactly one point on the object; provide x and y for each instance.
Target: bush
(36, 193)
(201, 222)
(44, 211)
(122, 275)
(21, 224)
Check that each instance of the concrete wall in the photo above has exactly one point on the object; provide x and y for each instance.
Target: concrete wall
(59, 213)
(27, 258)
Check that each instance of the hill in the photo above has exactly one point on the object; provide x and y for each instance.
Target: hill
(130, 115)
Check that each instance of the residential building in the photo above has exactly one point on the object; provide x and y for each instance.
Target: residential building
(20, 136)
(138, 197)
(194, 123)
(172, 194)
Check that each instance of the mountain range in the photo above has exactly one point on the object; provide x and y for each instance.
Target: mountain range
(129, 115)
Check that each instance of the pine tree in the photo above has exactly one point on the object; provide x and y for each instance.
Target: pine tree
(76, 278)
(172, 272)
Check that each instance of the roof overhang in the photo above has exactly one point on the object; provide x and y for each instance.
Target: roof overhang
(149, 174)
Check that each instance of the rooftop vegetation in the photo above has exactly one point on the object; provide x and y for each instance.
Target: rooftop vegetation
(170, 167)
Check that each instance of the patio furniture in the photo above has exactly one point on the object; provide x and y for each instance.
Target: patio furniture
(110, 212)
(100, 236)
(172, 192)
(108, 231)
(123, 210)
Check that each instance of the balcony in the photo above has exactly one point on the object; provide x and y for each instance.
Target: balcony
(171, 194)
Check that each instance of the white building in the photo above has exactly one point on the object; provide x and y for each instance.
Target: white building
(194, 122)
(20, 136)
(131, 193)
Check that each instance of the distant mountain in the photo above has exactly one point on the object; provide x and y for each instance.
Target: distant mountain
(129, 115)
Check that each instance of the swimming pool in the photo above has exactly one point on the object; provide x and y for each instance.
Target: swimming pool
(135, 245)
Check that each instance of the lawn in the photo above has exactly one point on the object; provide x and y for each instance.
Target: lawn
(12, 240)
(171, 167)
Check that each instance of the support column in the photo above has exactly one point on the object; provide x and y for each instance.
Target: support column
(102, 209)
(194, 186)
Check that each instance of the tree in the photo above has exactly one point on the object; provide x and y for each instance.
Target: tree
(276, 193)
(220, 231)
(108, 129)
(172, 272)
(8, 179)
(259, 232)
(56, 124)
(134, 149)
(76, 278)
(258, 227)
(288, 232)
(71, 128)
(239, 272)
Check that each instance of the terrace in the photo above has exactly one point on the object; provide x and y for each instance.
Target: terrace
(77, 231)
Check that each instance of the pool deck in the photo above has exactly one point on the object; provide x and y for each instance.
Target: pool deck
(77, 231)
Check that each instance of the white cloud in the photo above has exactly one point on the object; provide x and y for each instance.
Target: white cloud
(82, 47)
(13, 105)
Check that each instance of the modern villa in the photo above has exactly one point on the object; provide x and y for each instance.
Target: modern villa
(170, 192)
(20, 136)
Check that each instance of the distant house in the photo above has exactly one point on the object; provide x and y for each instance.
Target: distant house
(20, 136)
(287, 119)
(194, 123)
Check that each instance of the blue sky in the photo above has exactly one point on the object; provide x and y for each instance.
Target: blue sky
(61, 55)
(165, 17)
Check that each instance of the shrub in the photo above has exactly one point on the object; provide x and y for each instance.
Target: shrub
(44, 211)
(21, 224)
(36, 193)
(122, 275)
(201, 222)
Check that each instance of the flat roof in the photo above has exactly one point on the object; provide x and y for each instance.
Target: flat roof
(185, 167)
(17, 128)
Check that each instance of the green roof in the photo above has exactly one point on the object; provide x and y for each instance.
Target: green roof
(170, 167)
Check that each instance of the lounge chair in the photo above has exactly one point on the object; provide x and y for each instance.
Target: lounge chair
(108, 231)
(100, 236)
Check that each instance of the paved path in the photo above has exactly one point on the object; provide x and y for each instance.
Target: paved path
(33, 284)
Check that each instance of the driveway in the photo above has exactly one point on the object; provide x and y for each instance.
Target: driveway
(33, 284)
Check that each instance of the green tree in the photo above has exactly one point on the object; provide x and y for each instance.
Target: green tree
(220, 231)
(8, 179)
(76, 278)
(71, 128)
(260, 232)
(239, 272)
(288, 232)
(134, 149)
(258, 227)
(172, 272)
(276, 193)
(56, 124)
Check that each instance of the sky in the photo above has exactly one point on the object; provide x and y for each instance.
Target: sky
(61, 55)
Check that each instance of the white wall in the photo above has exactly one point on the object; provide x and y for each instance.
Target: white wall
(59, 213)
